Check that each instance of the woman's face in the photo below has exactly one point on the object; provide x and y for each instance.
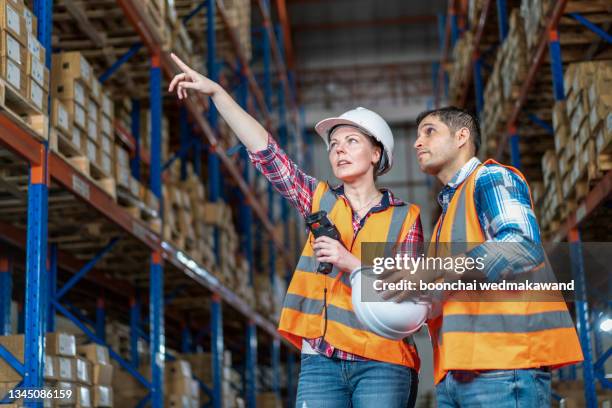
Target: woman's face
(351, 154)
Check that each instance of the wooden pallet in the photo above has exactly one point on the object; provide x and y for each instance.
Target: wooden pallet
(22, 111)
(64, 147)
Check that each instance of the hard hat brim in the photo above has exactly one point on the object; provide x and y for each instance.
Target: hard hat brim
(326, 125)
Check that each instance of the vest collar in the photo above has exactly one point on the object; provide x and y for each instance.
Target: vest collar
(387, 200)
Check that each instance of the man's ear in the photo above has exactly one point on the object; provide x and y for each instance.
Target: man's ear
(463, 136)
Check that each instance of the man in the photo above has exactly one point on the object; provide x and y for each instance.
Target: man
(489, 353)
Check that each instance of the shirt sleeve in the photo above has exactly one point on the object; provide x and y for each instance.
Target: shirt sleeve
(413, 243)
(285, 176)
(503, 204)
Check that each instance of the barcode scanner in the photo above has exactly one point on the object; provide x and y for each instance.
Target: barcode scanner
(321, 226)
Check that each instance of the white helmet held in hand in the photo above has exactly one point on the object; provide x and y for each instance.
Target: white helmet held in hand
(386, 318)
(371, 123)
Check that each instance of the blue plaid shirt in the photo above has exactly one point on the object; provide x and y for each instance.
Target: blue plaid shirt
(503, 204)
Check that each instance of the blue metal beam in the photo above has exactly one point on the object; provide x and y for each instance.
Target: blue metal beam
(36, 268)
(122, 60)
(144, 401)
(276, 374)
(155, 102)
(6, 288)
(86, 268)
(600, 369)
(134, 331)
(251, 365)
(556, 65)
(594, 28)
(290, 377)
(216, 329)
(582, 317)
(478, 84)
(186, 340)
(6, 399)
(193, 12)
(52, 286)
(502, 17)
(515, 152)
(541, 123)
(157, 346)
(100, 319)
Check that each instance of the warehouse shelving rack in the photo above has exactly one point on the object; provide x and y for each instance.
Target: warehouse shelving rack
(51, 178)
(597, 197)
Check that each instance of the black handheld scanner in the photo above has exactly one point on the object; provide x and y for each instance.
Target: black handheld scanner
(321, 226)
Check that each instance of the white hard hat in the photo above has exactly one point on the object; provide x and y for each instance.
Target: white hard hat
(368, 121)
(385, 318)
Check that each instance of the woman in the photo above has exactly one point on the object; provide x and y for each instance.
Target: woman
(343, 364)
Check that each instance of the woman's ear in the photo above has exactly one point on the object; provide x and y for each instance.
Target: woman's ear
(377, 155)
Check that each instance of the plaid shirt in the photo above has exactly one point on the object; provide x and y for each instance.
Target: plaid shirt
(298, 187)
(503, 204)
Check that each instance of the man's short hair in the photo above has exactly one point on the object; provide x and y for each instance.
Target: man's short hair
(455, 118)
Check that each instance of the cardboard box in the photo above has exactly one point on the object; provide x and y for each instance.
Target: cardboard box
(49, 369)
(92, 130)
(66, 89)
(102, 396)
(37, 95)
(60, 118)
(83, 371)
(77, 113)
(179, 386)
(12, 48)
(60, 344)
(35, 48)
(12, 73)
(91, 150)
(92, 110)
(96, 90)
(37, 70)
(105, 161)
(72, 65)
(65, 368)
(83, 399)
(106, 126)
(69, 393)
(78, 139)
(95, 353)
(106, 145)
(12, 20)
(177, 369)
(102, 374)
(108, 107)
(31, 22)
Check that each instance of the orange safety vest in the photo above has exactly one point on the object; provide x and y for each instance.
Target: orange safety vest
(303, 314)
(473, 335)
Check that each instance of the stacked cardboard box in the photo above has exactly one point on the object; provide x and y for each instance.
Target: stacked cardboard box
(502, 88)
(22, 58)
(552, 197)
(462, 57)
(584, 136)
(181, 389)
(534, 14)
(62, 369)
(101, 373)
(201, 367)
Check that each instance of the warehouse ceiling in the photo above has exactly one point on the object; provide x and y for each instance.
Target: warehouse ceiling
(377, 54)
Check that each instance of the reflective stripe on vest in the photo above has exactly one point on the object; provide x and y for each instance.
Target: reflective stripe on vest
(479, 335)
(303, 310)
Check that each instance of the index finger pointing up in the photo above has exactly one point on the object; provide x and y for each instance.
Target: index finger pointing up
(180, 63)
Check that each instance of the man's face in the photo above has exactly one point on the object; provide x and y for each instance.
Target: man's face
(435, 145)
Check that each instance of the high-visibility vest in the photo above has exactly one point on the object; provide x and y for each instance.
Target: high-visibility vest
(495, 335)
(303, 314)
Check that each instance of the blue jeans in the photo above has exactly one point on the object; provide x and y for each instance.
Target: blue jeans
(528, 388)
(334, 383)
